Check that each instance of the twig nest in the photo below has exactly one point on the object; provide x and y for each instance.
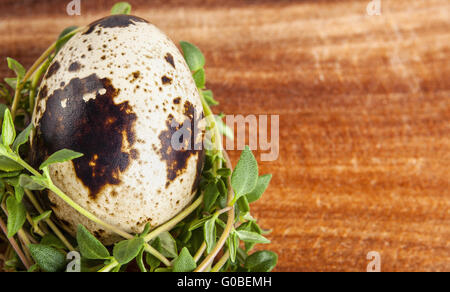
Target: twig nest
(121, 93)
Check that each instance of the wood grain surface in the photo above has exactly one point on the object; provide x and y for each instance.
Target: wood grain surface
(364, 105)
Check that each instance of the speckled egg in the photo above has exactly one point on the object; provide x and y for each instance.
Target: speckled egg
(119, 92)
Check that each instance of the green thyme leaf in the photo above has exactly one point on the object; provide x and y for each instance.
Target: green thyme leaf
(125, 251)
(193, 56)
(16, 215)
(152, 261)
(48, 258)
(245, 175)
(32, 183)
(210, 196)
(8, 175)
(209, 97)
(166, 245)
(184, 262)
(33, 268)
(261, 186)
(18, 193)
(261, 261)
(12, 82)
(121, 8)
(60, 156)
(22, 138)
(224, 172)
(248, 236)
(66, 31)
(233, 245)
(210, 233)
(243, 206)
(16, 67)
(197, 223)
(90, 247)
(12, 180)
(146, 231)
(8, 130)
(44, 216)
(64, 37)
(222, 188)
(200, 78)
(241, 256)
(53, 241)
(9, 165)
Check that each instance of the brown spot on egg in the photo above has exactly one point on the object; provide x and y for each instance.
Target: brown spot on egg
(189, 144)
(52, 69)
(136, 76)
(177, 100)
(166, 80)
(114, 21)
(169, 58)
(43, 92)
(134, 154)
(97, 128)
(75, 66)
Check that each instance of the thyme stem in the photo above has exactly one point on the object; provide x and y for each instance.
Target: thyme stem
(230, 222)
(175, 220)
(49, 222)
(148, 248)
(200, 252)
(15, 246)
(109, 267)
(221, 262)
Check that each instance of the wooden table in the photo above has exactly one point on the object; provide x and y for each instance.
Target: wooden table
(364, 105)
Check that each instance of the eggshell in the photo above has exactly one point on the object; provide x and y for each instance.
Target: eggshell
(120, 92)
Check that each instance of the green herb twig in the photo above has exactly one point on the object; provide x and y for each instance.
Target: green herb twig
(221, 262)
(109, 267)
(175, 220)
(49, 222)
(15, 246)
(230, 221)
(23, 237)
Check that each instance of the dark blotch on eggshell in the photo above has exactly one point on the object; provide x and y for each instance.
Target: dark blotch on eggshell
(166, 80)
(169, 58)
(114, 21)
(97, 128)
(75, 66)
(52, 69)
(177, 159)
(43, 92)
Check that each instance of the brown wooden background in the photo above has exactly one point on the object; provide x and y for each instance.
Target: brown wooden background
(364, 104)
